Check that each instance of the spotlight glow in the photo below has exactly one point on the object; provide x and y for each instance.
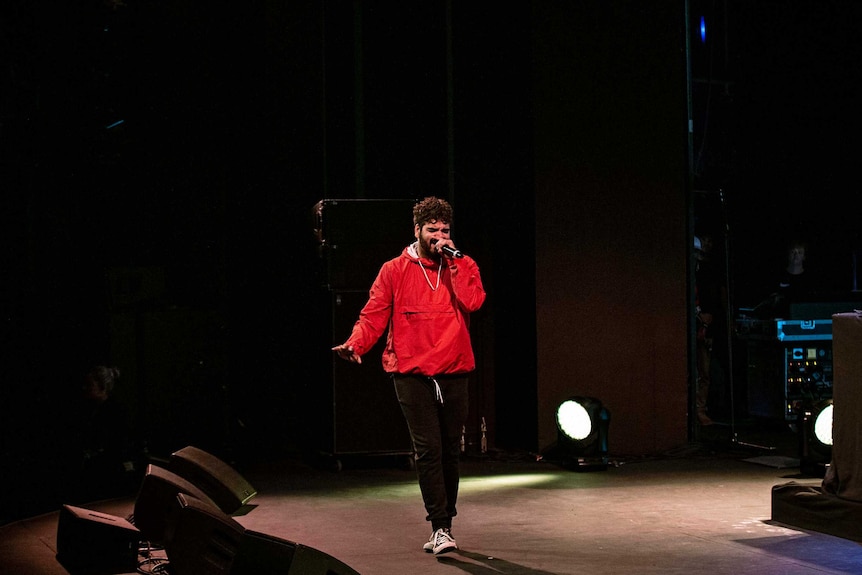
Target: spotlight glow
(574, 420)
(494, 483)
(823, 426)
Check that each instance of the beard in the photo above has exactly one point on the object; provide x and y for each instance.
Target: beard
(427, 248)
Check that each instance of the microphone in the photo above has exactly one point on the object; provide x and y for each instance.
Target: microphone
(451, 252)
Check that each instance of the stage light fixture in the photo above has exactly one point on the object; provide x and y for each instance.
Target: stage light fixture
(582, 434)
(815, 438)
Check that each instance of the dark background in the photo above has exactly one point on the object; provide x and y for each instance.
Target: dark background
(161, 161)
(779, 128)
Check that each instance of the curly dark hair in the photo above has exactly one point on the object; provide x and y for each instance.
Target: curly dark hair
(432, 209)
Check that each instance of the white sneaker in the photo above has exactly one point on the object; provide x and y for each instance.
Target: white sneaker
(441, 541)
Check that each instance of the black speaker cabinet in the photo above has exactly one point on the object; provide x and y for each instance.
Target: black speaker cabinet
(353, 410)
(90, 539)
(224, 485)
(202, 539)
(358, 410)
(155, 505)
(356, 236)
(262, 554)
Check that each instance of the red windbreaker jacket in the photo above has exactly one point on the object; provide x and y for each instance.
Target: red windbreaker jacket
(428, 321)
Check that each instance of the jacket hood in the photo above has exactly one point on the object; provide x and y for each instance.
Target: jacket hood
(411, 251)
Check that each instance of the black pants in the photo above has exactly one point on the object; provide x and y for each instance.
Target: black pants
(435, 418)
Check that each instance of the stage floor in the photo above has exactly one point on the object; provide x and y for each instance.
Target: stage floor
(698, 509)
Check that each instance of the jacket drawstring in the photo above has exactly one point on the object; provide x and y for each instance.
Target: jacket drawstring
(437, 391)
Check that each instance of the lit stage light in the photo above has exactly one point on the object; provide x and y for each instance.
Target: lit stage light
(815, 438)
(582, 434)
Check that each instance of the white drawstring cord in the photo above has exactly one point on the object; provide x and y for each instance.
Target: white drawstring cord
(437, 390)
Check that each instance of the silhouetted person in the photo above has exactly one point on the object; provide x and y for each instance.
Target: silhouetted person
(793, 282)
(710, 300)
(103, 440)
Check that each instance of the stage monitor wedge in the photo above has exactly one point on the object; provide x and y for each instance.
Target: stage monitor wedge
(156, 503)
(222, 483)
(91, 539)
(202, 539)
(263, 554)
